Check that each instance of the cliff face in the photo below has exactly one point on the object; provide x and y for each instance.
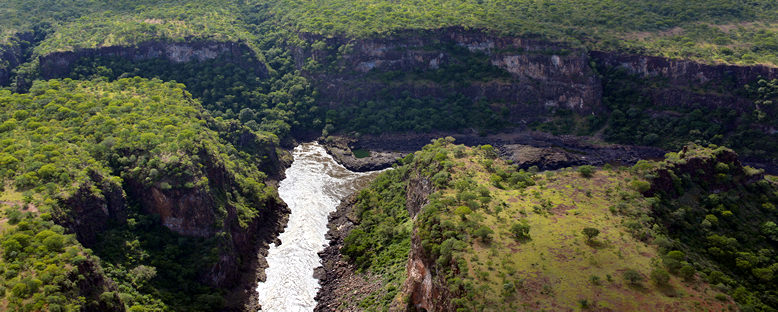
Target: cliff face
(205, 211)
(542, 75)
(202, 211)
(58, 64)
(708, 168)
(90, 213)
(688, 83)
(423, 287)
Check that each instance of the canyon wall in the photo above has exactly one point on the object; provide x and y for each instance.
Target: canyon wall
(59, 64)
(541, 76)
(684, 83)
(544, 75)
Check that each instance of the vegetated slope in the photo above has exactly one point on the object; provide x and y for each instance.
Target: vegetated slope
(486, 236)
(180, 190)
(723, 217)
(710, 30)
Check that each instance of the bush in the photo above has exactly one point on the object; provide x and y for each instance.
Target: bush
(586, 171)
(687, 272)
(660, 277)
(484, 233)
(633, 277)
(520, 230)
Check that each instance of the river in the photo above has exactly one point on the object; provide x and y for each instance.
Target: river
(314, 186)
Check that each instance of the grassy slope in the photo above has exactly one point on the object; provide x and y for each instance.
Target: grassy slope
(553, 270)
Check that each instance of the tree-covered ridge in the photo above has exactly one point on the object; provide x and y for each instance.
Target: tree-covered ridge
(144, 129)
(723, 216)
(202, 21)
(636, 25)
(64, 133)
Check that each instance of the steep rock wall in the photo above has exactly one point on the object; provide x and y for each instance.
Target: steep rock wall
(205, 211)
(59, 64)
(687, 83)
(543, 75)
(90, 213)
(424, 288)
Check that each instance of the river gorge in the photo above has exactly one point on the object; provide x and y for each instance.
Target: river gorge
(314, 186)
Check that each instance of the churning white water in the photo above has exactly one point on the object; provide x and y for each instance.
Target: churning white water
(314, 186)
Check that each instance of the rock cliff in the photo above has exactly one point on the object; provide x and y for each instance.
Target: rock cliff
(424, 289)
(543, 75)
(687, 83)
(59, 64)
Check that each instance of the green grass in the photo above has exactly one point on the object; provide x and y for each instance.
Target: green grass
(361, 153)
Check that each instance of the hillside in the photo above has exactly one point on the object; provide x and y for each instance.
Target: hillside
(76, 158)
(456, 227)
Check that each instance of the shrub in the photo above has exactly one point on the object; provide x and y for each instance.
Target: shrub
(633, 277)
(586, 171)
(687, 272)
(520, 230)
(484, 233)
(660, 276)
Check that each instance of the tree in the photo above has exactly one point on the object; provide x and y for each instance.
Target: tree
(463, 211)
(590, 233)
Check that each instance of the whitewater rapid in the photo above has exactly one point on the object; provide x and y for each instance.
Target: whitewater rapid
(314, 186)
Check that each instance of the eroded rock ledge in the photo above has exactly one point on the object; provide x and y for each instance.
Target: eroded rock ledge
(59, 64)
(524, 148)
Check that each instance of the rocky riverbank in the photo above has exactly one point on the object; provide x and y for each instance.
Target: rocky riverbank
(342, 288)
(524, 148)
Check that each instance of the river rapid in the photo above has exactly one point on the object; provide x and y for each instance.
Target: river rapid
(314, 186)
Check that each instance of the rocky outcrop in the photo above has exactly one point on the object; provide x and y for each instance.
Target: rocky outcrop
(89, 212)
(342, 149)
(424, 289)
(12, 54)
(718, 170)
(542, 75)
(59, 64)
(524, 148)
(99, 291)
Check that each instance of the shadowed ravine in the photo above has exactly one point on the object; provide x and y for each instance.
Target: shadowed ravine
(314, 186)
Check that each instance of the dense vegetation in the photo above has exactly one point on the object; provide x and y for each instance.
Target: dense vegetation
(63, 135)
(721, 217)
(710, 30)
(381, 242)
